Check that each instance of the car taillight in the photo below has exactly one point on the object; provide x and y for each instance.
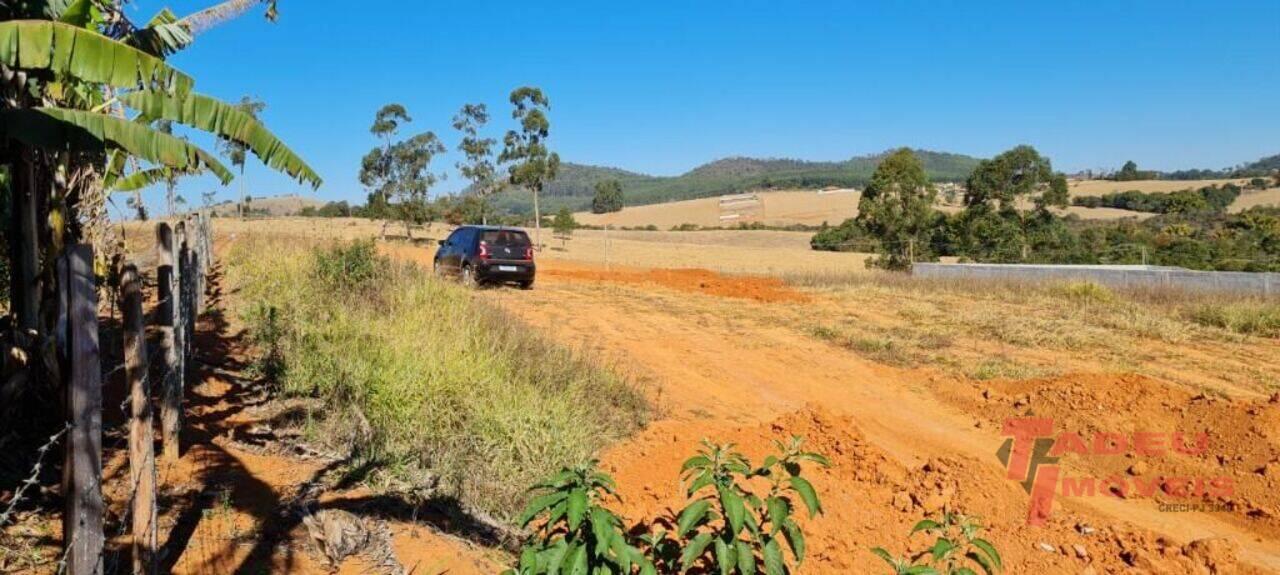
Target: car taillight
(484, 250)
(528, 253)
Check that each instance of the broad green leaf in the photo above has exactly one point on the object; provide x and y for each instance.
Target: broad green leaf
(735, 512)
(68, 50)
(57, 128)
(925, 525)
(699, 483)
(226, 121)
(726, 557)
(78, 13)
(796, 538)
(807, 494)
(140, 179)
(692, 516)
(602, 529)
(163, 35)
(941, 548)
(577, 508)
(578, 561)
(695, 461)
(773, 564)
(694, 550)
(746, 558)
(778, 514)
(881, 553)
(920, 570)
(990, 550)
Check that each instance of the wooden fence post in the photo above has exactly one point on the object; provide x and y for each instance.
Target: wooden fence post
(142, 457)
(185, 300)
(170, 327)
(82, 475)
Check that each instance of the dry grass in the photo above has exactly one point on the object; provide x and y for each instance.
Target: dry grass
(993, 329)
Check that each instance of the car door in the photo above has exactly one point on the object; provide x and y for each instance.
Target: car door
(446, 256)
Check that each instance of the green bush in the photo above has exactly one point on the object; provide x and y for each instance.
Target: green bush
(421, 381)
(955, 548)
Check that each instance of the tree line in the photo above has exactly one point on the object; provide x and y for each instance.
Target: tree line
(1009, 217)
(1208, 199)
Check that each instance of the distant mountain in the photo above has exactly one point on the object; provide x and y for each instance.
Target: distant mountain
(574, 186)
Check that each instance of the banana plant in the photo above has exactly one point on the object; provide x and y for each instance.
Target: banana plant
(956, 549)
(731, 529)
(79, 81)
(575, 533)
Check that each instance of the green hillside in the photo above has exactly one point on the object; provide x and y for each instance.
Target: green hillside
(574, 186)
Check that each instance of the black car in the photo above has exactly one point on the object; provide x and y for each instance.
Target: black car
(487, 254)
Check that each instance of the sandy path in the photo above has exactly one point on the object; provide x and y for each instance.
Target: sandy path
(714, 364)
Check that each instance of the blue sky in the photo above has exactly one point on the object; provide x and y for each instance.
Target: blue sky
(661, 87)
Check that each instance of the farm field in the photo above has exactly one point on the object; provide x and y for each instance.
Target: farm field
(905, 385)
(808, 207)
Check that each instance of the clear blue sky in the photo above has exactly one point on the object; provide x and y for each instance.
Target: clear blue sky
(661, 87)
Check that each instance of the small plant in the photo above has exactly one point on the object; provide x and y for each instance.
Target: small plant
(728, 528)
(350, 265)
(575, 532)
(955, 549)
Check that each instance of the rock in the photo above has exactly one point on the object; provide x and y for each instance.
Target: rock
(1138, 468)
(1047, 548)
(1081, 552)
(1085, 529)
(1217, 554)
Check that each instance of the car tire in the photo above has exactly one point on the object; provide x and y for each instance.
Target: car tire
(437, 270)
(468, 277)
(526, 284)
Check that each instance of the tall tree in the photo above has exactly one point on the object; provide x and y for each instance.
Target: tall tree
(478, 166)
(399, 173)
(897, 208)
(235, 151)
(608, 197)
(1008, 198)
(532, 165)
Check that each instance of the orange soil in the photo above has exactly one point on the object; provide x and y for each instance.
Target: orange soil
(904, 443)
(689, 280)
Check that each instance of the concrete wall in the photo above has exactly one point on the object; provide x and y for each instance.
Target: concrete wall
(1114, 276)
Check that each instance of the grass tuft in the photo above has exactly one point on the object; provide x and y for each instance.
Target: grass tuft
(1246, 318)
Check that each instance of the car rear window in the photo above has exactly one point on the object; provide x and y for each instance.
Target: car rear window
(504, 238)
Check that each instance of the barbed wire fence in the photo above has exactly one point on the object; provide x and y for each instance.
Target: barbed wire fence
(182, 273)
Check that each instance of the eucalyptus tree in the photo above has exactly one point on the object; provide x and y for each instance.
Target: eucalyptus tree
(399, 172)
(1007, 200)
(897, 208)
(80, 89)
(531, 163)
(478, 166)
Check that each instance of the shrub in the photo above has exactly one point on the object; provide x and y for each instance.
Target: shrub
(731, 529)
(576, 532)
(349, 266)
(955, 548)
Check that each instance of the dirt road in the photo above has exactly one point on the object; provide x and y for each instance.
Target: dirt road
(727, 359)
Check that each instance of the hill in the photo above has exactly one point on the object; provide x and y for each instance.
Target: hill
(286, 205)
(575, 185)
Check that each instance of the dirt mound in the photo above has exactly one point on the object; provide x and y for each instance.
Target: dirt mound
(1237, 440)
(871, 500)
(694, 280)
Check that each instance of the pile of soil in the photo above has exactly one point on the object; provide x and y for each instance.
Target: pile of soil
(872, 500)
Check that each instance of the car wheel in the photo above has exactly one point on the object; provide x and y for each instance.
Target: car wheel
(468, 278)
(437, 270)
(526, 284)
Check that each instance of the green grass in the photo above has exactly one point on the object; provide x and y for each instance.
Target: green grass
(420, 379)
(1246, 318)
